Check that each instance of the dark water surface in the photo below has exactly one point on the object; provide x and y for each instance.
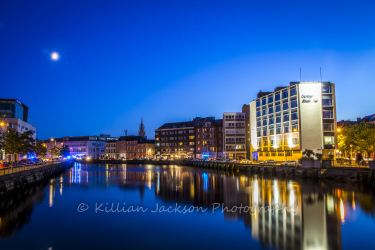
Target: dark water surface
(222, 210)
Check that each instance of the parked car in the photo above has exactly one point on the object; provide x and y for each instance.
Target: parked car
(289, 163)
(268, 162)
(234, 161)
(246, 161)
(162, 158)
(5, 164)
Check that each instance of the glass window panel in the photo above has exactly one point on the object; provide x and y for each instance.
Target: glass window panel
(258, 103)
(271, 121)
(285, 94)
(278, 119)
(294, 116)
(327, 102)
(293, 92)
(270, 110)
(278, 108)
(264, 101)
(326, 89)
(285, 106)
(270, 99)
(277, 97)
(293, 104)
(327, 114)
(286, 129)
(258, 113)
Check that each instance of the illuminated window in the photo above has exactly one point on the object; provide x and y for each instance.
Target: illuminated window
(191, 137)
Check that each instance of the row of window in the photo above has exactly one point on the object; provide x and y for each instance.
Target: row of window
(191, 131)
(286, 117)
(232, 124)
(278, 141)
(235, 117)
(277, 108)
(284, 94)
(233, 147)
(271, 130)
(234, 139)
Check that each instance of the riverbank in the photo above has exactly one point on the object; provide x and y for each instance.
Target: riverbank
(342, 174)
(23, 180)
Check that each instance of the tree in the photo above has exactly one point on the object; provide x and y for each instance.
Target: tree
(26, 142)
(13, 143)
(309, 154)
(65, 151)
(55, 151)
(10, 142)
(319, 156)
(40, 149)
(360, 135)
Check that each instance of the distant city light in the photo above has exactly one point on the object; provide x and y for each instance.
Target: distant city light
(55, 56)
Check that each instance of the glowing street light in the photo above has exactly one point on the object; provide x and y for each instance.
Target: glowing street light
(339, 129)
(55, 56)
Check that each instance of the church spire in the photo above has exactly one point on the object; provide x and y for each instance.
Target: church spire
(142, 129)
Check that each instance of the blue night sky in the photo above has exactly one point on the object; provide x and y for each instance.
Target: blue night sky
(171, 61)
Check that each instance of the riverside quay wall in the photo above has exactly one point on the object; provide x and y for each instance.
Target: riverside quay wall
(323, 172)
(22, 180)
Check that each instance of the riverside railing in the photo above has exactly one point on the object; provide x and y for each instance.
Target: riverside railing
(14, 169)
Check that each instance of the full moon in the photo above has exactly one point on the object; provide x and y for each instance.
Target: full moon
(55, 56)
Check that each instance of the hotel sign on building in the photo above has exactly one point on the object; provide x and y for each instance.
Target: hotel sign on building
(291, 119)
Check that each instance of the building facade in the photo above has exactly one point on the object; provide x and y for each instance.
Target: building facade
(292, 119)
(176, 140)
(81, 146)
(209, 139)
(110, 150)
(236, 134)
(180, 139)
(130, 147)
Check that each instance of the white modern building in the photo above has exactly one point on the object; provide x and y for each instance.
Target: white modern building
(292, 119)
(81, 146)
(14, 114)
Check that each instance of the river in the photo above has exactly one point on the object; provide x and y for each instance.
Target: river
(118, 206)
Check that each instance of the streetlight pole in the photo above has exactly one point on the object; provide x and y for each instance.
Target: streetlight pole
(351, 153)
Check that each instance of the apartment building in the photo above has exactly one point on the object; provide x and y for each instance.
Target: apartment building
(199, 138)
(237, 134)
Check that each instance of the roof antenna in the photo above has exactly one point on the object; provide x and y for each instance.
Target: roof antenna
(126, 132)
(300, 73)
(321, 74)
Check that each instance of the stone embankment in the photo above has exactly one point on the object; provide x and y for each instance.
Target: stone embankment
(21, 181)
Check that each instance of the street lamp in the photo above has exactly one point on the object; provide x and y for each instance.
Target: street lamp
(351, 153)
(334, 152)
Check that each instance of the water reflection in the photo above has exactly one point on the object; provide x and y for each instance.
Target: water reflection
(280, 213)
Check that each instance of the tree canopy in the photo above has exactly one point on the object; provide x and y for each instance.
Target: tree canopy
(14, 143)
(360, 135)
